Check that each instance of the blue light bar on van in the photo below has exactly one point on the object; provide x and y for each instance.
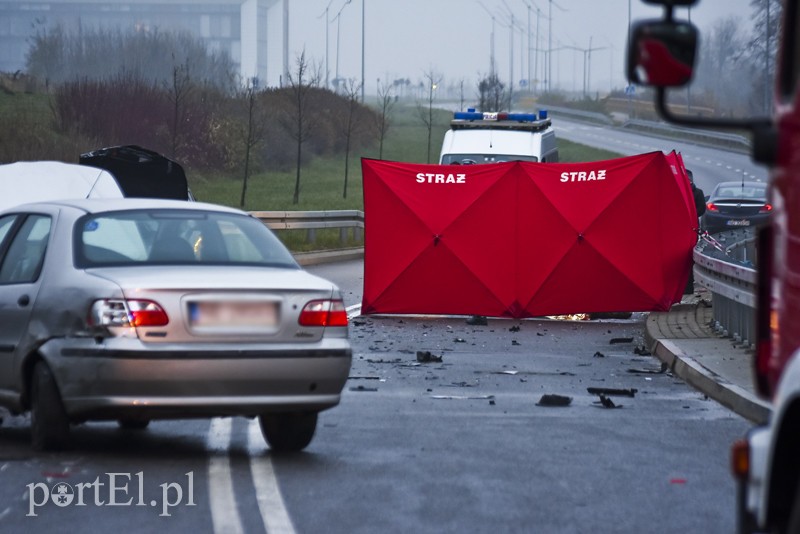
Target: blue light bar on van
(493, 116)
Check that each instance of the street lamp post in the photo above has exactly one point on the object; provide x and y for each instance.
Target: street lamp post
(327, 41)
(363, 27)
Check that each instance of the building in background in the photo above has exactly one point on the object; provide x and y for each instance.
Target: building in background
(238, 27)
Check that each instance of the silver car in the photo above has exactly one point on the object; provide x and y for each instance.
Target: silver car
(136, 309)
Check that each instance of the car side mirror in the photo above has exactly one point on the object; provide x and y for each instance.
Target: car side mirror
(662, 53)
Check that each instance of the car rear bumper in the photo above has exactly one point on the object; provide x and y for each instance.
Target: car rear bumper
(126, 378)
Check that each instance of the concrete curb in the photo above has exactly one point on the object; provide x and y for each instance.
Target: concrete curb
(718, 388)
(328, 256)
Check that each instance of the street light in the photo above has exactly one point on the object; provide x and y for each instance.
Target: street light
(550, 44)
(587, 64)
(338, 18)
(327, 40)
(491, 47)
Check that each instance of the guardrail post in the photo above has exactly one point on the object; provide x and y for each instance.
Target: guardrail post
(311, 235)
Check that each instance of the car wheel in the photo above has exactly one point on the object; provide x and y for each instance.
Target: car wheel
(133, 424)
(49, 422)
(288, 432)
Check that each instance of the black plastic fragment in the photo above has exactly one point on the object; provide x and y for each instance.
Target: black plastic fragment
(425, 356)
(477, 320)
(613, 391)
(550, 399)
(605, 402)
(617, 340)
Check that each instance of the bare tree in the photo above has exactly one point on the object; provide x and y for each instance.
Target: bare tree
(386, 103)
(767, 17)
(180, 90)
(350, 124)
(298, 120)
(253, 131)
(492, 95)
(432, 80)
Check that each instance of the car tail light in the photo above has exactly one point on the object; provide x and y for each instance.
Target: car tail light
(712, 207)
(740, 459)
(127, 313)
(766, 208)
(323, 313)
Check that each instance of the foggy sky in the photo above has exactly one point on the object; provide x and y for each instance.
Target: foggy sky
(406, 38)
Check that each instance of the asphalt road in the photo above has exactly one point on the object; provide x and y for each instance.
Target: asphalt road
(709, 165)
(454, 446)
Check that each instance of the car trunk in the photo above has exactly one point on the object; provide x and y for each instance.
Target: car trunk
(223, 304)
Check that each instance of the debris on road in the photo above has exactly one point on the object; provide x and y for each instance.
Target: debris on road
(515, 342)
(425, 356)
(618, 340)
(599, 354)
(613, 391)
(396, 360)
(641, 351)
(605, 402)
(362, 388)
(514, 328)
(505, 372)
(550, 399)
(459, 385)
(460, 340)
(653, 371)
(477, 320)
(363, 378)
(539, 334)
(462, 397)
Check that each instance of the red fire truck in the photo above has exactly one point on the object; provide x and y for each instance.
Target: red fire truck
(766, 463)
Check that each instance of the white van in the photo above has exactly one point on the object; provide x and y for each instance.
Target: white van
(35, 181)
(476, 137)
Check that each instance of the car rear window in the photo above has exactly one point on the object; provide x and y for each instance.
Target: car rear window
(741, 192)
(176, 237)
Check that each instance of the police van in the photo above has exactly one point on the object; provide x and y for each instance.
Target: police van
(483, 137)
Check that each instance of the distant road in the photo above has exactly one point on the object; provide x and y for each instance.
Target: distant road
(710, 165)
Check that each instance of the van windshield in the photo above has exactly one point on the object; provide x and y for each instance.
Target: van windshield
(473, 159)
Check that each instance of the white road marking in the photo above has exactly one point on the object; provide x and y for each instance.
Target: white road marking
(268, 493)
(5, 513)
(224, 513)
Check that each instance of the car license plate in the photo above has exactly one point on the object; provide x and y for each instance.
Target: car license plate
(222, 315)
(738, 222)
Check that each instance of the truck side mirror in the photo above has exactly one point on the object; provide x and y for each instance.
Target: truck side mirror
(662, 53)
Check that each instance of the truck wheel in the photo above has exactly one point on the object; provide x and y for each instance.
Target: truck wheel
(793, 526)
(288, 432)
(49, 422)
(745, 521)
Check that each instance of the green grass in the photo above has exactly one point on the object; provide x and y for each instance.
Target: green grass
(322, 180)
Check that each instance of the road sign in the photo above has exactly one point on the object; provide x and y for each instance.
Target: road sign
(630, 89)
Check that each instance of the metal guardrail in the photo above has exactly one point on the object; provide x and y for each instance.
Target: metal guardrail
(734, 141)
(314, 220)
(718, 138)
(730, 275)
(579, 114)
